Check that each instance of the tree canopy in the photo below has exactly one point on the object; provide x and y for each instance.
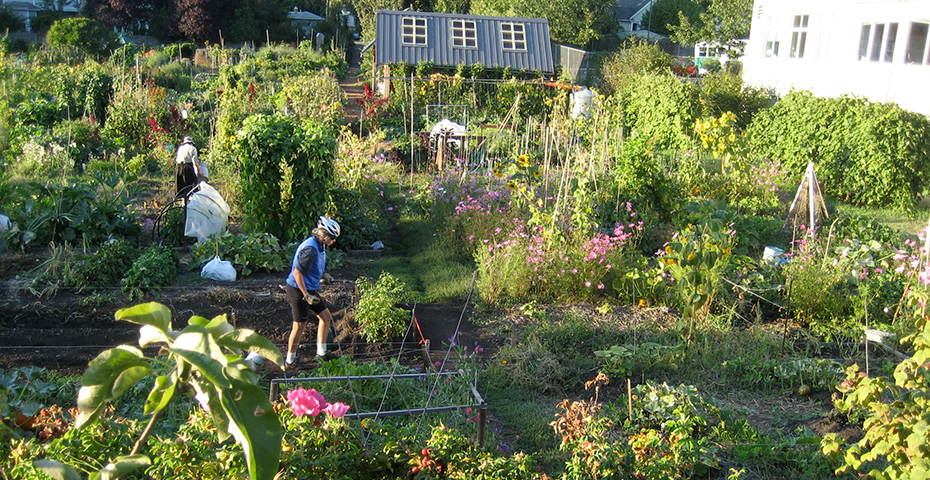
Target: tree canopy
(84, 34)
(664, 14)
(726, 23)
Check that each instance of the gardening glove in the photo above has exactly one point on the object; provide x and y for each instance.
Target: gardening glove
(327, 279)
(312, 299)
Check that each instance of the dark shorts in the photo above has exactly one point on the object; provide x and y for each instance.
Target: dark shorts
(300, 310)
(185, 178)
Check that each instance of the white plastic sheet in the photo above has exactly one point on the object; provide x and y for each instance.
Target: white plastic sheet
(207, 213)
(4, 226)
(220, 270)
(455, 131)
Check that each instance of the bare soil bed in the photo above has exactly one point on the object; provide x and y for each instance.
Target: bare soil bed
(64, 331)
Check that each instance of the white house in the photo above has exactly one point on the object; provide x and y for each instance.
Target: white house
(877, 49)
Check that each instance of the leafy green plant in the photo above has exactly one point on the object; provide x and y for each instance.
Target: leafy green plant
(104, 268)
(622, 361)
(696, 259)
(247, 251)
(26, 390)
(869, 153)
(204, 357)
(379, 319)
(157, 267)
(896, 434)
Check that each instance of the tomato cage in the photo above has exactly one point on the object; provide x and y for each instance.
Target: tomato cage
(435, 377)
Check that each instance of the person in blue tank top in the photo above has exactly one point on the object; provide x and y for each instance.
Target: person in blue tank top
(303, 282)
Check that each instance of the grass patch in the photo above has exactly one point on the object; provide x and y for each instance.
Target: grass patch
(912, 223)
(525, 417)
(432, 272)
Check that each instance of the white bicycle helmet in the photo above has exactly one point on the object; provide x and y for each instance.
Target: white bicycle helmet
(330, 226)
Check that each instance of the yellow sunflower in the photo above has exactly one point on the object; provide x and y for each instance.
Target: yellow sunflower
(497, 172)
(523, 160)
(511, 185)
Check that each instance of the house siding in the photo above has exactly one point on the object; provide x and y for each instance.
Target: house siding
(389, 48)
(829, 64)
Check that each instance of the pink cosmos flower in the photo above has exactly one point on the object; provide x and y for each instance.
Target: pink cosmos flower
(306, 402)
(336, 410)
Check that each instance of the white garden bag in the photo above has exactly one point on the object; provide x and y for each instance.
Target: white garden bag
(207, 213)
(220, 270)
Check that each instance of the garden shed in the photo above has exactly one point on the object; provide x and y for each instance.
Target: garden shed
(447, 39)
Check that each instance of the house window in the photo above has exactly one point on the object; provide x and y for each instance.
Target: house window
(799, 36)
(876, 42)
(864, 40)
(464, 34)
(513, 37)
(889, 43)
(917, 44)
(877, 38)
(771, 48)
(414, 31)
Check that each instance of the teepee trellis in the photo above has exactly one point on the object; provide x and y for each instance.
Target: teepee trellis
(809, 194)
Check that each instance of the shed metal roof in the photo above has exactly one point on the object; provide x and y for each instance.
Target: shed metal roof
(439, 49)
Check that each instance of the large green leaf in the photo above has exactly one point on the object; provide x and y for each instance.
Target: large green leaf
(218, 326)
(149, 335)
(121, 466)
(161, 394)
(256, 426)
(197, 347)
(107, 377)
(198, 320)
(209, 397)
(245, 339)
(57, 470)
(152, 313)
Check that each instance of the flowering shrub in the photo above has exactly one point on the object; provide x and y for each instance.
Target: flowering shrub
(529, 259)
(310, 402)
(721, 137)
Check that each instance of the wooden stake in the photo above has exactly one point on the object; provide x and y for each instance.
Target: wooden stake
(629, 396)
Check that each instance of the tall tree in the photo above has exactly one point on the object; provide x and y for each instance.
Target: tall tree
(202, 20)
(573, 22)
(452, 6)
(119, 13)
(663, 14)
(366, 10)
(726, 23)
(84, 34)
(9, 21)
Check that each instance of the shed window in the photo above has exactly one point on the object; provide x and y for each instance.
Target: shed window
(513, 37)
(414, 31)
(464, 34)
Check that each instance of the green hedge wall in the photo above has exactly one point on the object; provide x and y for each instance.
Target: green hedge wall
(865, 153)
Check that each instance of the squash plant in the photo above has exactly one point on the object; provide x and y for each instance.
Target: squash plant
(203, 358)
(897, 425)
